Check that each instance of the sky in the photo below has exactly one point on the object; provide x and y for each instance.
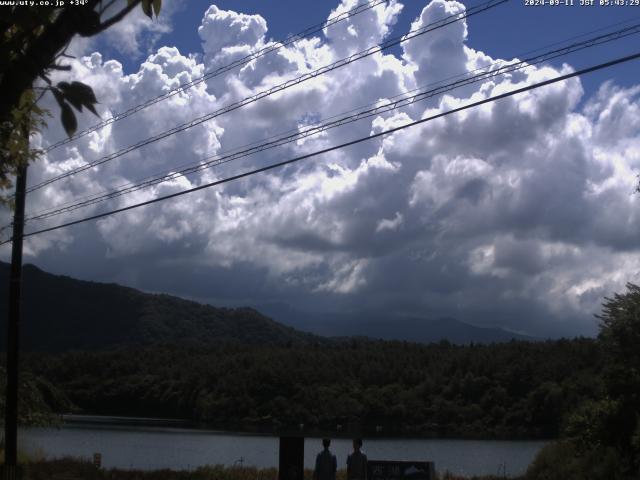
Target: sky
(519, 214)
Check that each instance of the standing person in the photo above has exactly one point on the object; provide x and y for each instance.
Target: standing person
(326, 464)
(357, 462)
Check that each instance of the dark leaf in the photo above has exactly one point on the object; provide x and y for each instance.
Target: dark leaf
(58, 95)
(85, 90)
(89, 24)
(74, 101)
(92, 109)
(79, 95)
(146, 8)
(157, 4)
(69, 96)
(69, 121)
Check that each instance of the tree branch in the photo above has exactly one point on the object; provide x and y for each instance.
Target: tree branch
(106, 7)
(22, 71)
(115, 19)
(54, 66)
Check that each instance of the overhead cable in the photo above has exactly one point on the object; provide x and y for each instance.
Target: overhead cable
(394, 103)
(221, 70)
(278, 88)
(337, 147)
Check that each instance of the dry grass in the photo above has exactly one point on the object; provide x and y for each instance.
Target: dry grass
(451, 476)
(74, 469)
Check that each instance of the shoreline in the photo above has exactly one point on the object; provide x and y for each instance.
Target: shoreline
(151, 448)
(102, 421)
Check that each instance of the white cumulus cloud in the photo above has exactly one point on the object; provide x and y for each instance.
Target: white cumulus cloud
(519, 213)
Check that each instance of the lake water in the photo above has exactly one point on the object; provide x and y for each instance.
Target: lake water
(148, 448)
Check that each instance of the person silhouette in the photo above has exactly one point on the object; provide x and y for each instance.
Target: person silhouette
(326, 464)
(357, 462)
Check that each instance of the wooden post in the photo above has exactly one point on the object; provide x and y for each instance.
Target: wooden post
(291, 458)
(13, 330)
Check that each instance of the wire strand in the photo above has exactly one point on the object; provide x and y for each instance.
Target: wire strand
(460, 75)
(278, 88)
(221, 70)
(394, 103)
(340, 146)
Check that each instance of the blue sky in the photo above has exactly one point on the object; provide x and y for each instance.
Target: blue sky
(509, 30)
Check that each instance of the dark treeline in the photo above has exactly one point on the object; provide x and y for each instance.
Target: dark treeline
(516, 389)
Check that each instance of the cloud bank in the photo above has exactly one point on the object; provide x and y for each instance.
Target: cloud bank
(517, 214)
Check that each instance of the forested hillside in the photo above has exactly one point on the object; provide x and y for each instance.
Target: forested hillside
(62, 313)
(515, 389)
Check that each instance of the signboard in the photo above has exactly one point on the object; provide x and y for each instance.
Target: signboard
(390, 470)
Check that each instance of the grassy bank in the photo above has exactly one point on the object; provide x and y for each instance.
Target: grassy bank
(73, 469)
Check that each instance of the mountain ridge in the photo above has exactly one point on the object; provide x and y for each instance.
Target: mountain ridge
(392, 327)
(93, 315)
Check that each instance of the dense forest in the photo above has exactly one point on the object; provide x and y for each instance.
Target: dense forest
(516, 389)
(39, 400)
(117, 351)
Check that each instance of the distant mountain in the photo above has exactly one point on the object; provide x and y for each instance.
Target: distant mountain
(434, 330)
(390, 327)
(61, 313)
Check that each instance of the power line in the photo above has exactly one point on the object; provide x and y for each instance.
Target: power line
(340, 146)
(278, 88)
(394, 103)
(130, 184)
(221, 70)
(290, 83)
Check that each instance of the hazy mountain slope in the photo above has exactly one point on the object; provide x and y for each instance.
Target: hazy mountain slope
(375, 325)
(62, 313)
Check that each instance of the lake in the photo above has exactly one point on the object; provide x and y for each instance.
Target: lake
(154, 447)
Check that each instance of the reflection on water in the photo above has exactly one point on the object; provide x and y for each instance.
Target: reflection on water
(155, 447)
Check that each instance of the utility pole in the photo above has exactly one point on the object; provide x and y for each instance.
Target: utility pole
(13, 329)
